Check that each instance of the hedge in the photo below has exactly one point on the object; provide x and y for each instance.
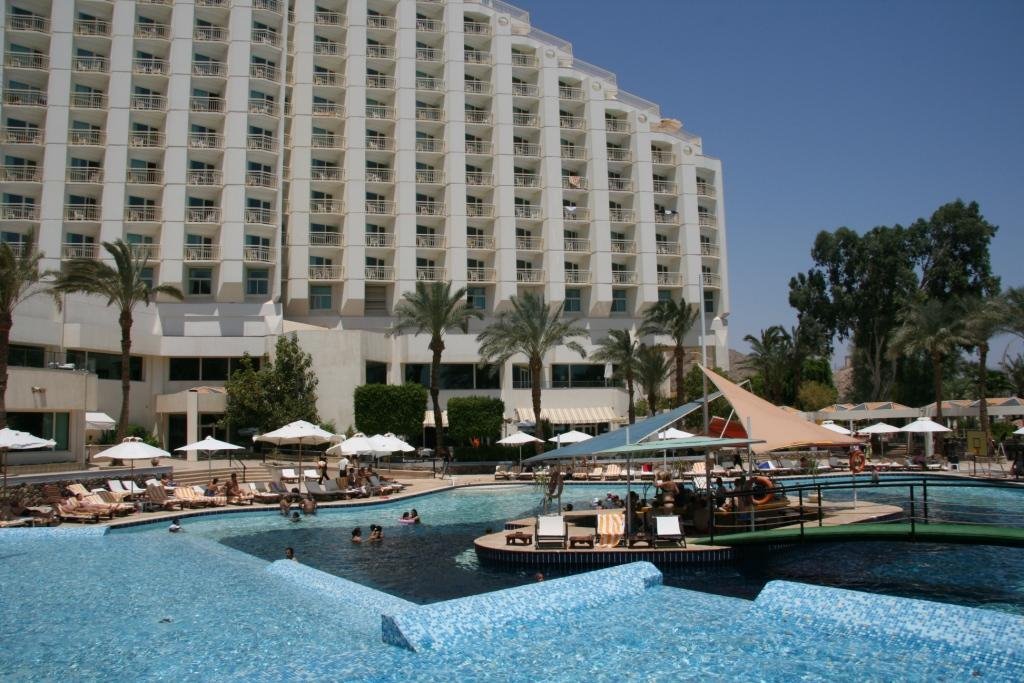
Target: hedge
(395, 408)
(474, 417)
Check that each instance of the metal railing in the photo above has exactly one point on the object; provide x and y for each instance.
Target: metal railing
(264, 71)
(480, 275)
(477, 87)
(81, 212)
(149, 66)
(476, 57)
(34, 136)
(571, 122)
(618, 154)
(261, 142)
(529, 243)
(148, 30)
(82, 136)
(144, 176)
(574, 152)
(265, 36)
(663, 218)
(328, 18)
(479, 242)
(379, 240)
(527, 211)
(380, 175)
(430, 176)
(380, 52)
(328, 78)
(479, 210)
(478, 147)
(665, 187)
(431, 274)
(325, 206)
(705, 189)
(709, 249)
(665, 248)
(144, 251)
(623, 277)
(712, 280)
(574, 214)
(662, 157)
(576, 244)
(201, 252)
(331, 174)
(31, 60)
(150, 138)
(73, 250)
(707, 220)
(429, 25)
(430, 145)
(203, 177)
(377, 111)
(620, 185)
(526, 180)
(29, 174)
(326, 273)
(428, 54)
(379, 273)
(324, 239)
(520, 59)
(142, 214)
(380, 207)
(214, 34)
(26, 97)
(259, 254)
(623, 247)
(430, 208)
(621, 215)
(670, 279)
(577, 277)
(202, 214)
(12, 211)
(570, 93)
(616, 125)
(381, 22)
(328, 109)
(476, 28)
(525, 120)
(260, 179)
(91, 27)
(429, 114)
(526, 149)
(529, 275)
(424, 241)
(477, 116)
(476, 178)
(268, 107)
(380, 81)
(380, 143)
(205, 140)
(261, 216)
(28, 22)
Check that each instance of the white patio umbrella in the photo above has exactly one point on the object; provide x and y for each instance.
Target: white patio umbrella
(518, 439)
(838, 429)
(1019, 431)
(12, 439)
(570, 437)
(389, 443)
(99, 422)
(299, 433)
(924, 425)
(880, 428)
(357, 444)
(131, 449)
(673, 433)
(210, 445)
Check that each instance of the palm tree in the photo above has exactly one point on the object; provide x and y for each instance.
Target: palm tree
(620, 349)
(124, 287)
(434, 309)
(771, 356)
(1013, 368)
(653, 368)
(674, 319)
(1014, 306)
(986, 318)
(19, 279)
(933, 327)
(532, 328)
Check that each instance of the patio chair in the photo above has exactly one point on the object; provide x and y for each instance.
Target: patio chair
(349, 491)
(118, 489)
(278, 488)
(666, 528)
(525, 476)
(288, 476)
(119, 509)
(376, 483)
(111, 498)
(69, 514)
(596, 474)
(158, 498)
(580, 474)
(551, 529)
(190, 498)
(500, 473)
(612, 472)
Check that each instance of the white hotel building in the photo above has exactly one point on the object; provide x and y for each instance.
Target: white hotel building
(296, 165)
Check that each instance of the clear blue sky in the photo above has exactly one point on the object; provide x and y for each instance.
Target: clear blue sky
(825, 114)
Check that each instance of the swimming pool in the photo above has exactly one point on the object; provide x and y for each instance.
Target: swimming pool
(144, 604)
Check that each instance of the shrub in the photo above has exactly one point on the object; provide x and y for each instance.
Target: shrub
(396, 408)
(815, 396)
(475, 417)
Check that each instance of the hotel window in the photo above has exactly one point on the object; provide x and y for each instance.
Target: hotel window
(320, 298)
(200, 281)
(146, 275)
(376, 372)
(573, 301)
(257, 282)
(618, 301)
(664, 295)
(709, 302)
(476, 298)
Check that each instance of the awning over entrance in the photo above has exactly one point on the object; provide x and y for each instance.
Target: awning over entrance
(428, 418)
(99, 422)
(571, 416)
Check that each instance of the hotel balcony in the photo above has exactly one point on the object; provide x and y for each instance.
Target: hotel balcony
(266, 107)
(667, 248)
(325, 206)
(430, 176)
(260, 216)
(260, 179)
(478, 117)
(262, 36)
(149, 67)
(480, 275)
(328, 174)
(28, 22)
(153, 31)
(379, 273)
(73, 174)
(476, 179)
(533, 276)
(616, 125)
(328, 79)
(481, 147)
(11, 211)
(214, 105)
(571, 122)
(380, 52)
(148, 102)
(709, 249)
(529, 61)
(328, 48)
(379, 240)
(202, 214)
(621, 215)
(429, 25)
(380, 82)
(528, 212)
(476, 57)
(577, 277)
(328, 110)
(482, 242)
(326, 273)
(576, 245)
(258, 142)
(707, 220)
(267, 72)
(475, 210)
(381, 22)
(380, 175)
(661, 157)
(574, 152)
(574, 182)
(24, 97)
(209, 69)
(577, 214)
(205, 141)
(430, 114)
(380, 143)
(325, 239)
(705, 189)
(623, 277)
(81, 212)
(30, 174)
(321, 18)
(572, 94)
(525, 120)
(377, 111)
(529, 243)
(623, 247)
(711, 280)
(665, 187)
(201, 253)
(269, 5)
(429, 84)
(477, 28)
(70, 251)
(254, 254)
(429, 54)
(203, 177)
(91, 27)
(526, 149)
(430, 146)
(33, 136)
(526, 180)
(431, 274)
(149, 138)
(142, 214)
(145, 252)
(667, 218)
(525, 90)
(27, 60)
(83, 137)
(430, 241)
(430, 209)
(477, 87)
(210, 34)
(620, 185)
(616, 154)
(380, 207)
(670, 279)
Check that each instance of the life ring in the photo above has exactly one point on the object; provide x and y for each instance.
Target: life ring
(857, 461)
(766, 484)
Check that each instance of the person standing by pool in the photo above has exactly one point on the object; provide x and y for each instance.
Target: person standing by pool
(720, 494)
(309, 505)
(321, 467)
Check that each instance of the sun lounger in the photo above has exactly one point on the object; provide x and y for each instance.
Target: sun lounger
(132, 487)
(69, 514)
(158, 498)
(310, 474)
(318, 492)
(525, 476)
(596, 474)
(500, 473)
(288, 476)
(119, 509)
(262, 493)
(118, 489)
(385, 488)
(611, 527)
(551, 529)
(612, 472)
(666, 528)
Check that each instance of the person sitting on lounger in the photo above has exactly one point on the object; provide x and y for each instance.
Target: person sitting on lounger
(233, 491)
(166, 481)
(214, 488)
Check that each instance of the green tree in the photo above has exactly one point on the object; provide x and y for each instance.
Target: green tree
(382, 408)
(674, 319)
(477, 417)
(652, 370)
(952, 252)
(532, 328)
(1013, 367)
(815, 395)
(20, 278)
(433, 309)
(986, 317)
(771, 357)
(292, 384)
(248, 403)
(933, 327)
(1014, 300)
(124, 287)
(621, 350)
(693, 384)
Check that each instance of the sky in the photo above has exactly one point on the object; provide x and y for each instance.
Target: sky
(825, 114)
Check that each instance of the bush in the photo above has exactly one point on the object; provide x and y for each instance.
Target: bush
(381, 408)
(815, 396)
(474, 417)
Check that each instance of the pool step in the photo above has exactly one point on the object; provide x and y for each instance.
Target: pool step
(255, 472)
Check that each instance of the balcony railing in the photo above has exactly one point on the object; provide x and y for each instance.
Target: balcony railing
(620, 185)
(261, 216)
(525, 120)
(379, 240)
(429, 114)
(325, 206)
(431, 274)
(202, 252)
(519, 59)
(478, 147)
(205, 140)
(574, 182)
(430, 176)
(325, 239)
(476, 57)
(574, 152)
(569, 93)
(665, 248)
(578, 213)
(260, 142)
(670, 279)
(144, 176)
(667, 218)
(29, 60)
(73, 250)
(477, 87)
(709, 249)
(34, 136)
(526, 180)
(84, 174)
(380, 52)
(712, 280)
(203, 177)
(705, 189)
(328, 48)
(206, 104)
(255, 254)
(81, 212)
(326, 141)
(478, 179)
(479, 210)
(156, 31)
(525, 90)
(91, 27)
(326, 273)
(380, 143)
(529, 275)
(149, 138)
(325, 173)
(380, 175)
(525, 149)
(571, 122)
(577, 277)
(380, 207)
(377, 111)
(623, 277)
(202, 214)
(28, 22)
(429, 54)
(666, 187)
(428, 83)
(380, 81)
(149, 66)
(381, 22)
(576, 244)
(707, 220)
(430, 241)
(30, 174)
(214, 34)
(430, 145)
(25, 97)
(662, 157)
(148, 102)
(268, 107)
(617, 154)
(616, 125)
(328, 78)
(430, 208)
(269, 5)
(144, 251)
(480, 275)
(379, 273)
(142, 214)
(264, 36)
(479, 242)
(621, 215)
(475, 116)
(12, 211)
(528, 212)
(529, 243)
(623, 247)
(328, 19)
(265, 71)
(477, 28)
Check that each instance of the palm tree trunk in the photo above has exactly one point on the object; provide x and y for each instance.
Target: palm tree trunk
(437, 346)
(6, 322)
(680, 354)
(630, 390)
(126, 387)
(535, 379)
(937, 379)
(986, 428)
(652, 400)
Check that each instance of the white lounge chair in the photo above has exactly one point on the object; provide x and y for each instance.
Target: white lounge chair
(500, 472)
(288, 476)
(132, 488)
(612, 472)
(118, 489)
(596, 474)
(666, 528)
(310, 474)
(551, 529)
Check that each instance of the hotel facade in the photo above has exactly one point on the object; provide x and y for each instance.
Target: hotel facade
(296, 166)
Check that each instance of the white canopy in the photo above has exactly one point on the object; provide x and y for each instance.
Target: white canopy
(132, 448)
(925, 425)
(572, 436)
(673, 433)
(14, 440)
(99, 422)
(879, 428)
(391, 443)
(298, 432)
(1020, 431)
(518, 439)
(356, 444)
(210, 445)
(838, 429)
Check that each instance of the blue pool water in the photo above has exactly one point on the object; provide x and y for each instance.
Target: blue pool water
(142, 604)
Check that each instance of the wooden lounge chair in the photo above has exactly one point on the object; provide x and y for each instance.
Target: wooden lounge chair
(612, 472)
(666, 528)
(262, 493)
(133, 488)
(118, 489)
(596, 474)
(611, 527)
(68, 514)
(551, 529)
(385, 488)
(158, 498)
(500, 473)
(580, 474)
